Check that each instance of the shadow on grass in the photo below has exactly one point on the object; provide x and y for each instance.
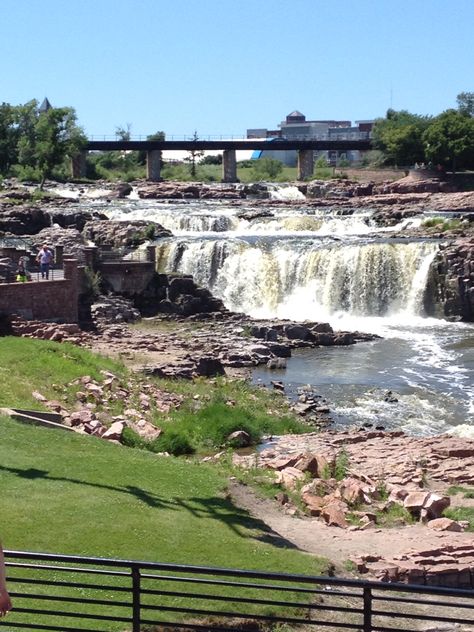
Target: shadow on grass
(220, 509)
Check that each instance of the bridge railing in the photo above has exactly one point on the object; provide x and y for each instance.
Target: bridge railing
(180, 137)
(77, 594)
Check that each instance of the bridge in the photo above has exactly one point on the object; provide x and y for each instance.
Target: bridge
(154, 149)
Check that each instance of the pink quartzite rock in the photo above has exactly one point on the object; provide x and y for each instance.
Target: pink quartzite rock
(444, 524)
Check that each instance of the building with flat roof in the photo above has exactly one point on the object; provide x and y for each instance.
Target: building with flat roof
(296, 127)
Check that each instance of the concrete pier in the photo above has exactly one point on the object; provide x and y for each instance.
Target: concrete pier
(229, 166)
(78, 165)
(305, 163)
(153, 165)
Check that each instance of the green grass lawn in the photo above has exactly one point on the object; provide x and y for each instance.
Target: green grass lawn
(73, 494)
(66, 493)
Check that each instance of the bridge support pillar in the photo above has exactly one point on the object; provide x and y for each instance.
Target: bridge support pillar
(78, 165)
(153, 165)
(305, 163)
(229, 166)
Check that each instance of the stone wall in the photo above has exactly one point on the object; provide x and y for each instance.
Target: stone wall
(44, 300)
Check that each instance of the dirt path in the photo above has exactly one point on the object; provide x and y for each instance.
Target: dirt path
(313, 536)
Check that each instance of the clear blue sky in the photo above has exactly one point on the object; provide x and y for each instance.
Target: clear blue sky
(221, 66)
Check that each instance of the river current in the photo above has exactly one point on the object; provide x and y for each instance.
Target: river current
(312, 264)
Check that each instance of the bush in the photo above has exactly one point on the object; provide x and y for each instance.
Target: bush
(267, 168)
(442, 224)
(132, 439)
(171, 441)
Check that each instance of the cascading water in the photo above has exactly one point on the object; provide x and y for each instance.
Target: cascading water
(307, 279)
(305, 263)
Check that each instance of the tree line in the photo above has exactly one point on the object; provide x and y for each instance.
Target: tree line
(445, 141)
(38, 142)
(35, 142)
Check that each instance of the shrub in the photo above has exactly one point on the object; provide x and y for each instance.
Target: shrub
(132, 439)
(342, 465)
(267, 168)
(442, 224)
(171, 441)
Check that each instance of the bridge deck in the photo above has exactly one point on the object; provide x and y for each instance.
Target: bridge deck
(273, 145)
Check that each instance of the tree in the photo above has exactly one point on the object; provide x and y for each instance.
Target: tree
(267, 169)
(124, 133)
(400, 137)
(194, 156)
(57, 137)
(141, 155)
(9, 138)
(465, 102)
(449, 140)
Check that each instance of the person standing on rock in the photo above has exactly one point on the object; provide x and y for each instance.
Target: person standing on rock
(5, 601)
(45, 258)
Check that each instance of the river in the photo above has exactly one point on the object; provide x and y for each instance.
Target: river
(305, 263)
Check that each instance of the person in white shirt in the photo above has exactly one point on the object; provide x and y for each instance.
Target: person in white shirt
(45, 258)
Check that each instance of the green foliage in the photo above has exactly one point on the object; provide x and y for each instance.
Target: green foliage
(175, 171)
(394, 515)
(350, 566)
(132, 496)
(194, 156)
(465, 101)
(400, 137)
(123, 166)
(442, 224)
(212, 160)
(93, 282)
(28, 365)
(132, 439)
(267, 169)
(173, 442)
(341, 467)
(461, 513)
(246, 164)
(449, 140)
(56, 136)
(321, 163)
(467, 492)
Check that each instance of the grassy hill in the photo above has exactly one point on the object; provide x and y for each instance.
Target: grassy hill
(67, 493)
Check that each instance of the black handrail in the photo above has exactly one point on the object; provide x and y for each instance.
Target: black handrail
(49, 593)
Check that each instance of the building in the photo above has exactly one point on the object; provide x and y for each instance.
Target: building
(296, 127)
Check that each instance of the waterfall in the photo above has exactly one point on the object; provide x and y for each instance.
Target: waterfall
(304, 278)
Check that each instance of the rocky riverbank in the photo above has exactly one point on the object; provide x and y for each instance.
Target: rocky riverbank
(381, 470)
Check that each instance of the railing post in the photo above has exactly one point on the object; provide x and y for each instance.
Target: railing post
(136, 599)
(367, 609)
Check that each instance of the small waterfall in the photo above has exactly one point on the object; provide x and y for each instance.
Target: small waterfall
(305, 280)
(285, 192)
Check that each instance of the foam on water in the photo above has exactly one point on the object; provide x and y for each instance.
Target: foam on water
(309, 263)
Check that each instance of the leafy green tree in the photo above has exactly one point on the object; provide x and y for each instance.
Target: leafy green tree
(267, 169)
(400, 137)
(124, 133)
(465, 102)
(9, 137)
(26, 117)
(141, 155)
(212, 160)
(321, 163)
(194, 156)
(449, 140)
(57, 137)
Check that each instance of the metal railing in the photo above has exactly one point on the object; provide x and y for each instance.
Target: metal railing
(186, 137)
(74, 594)
(56, 273)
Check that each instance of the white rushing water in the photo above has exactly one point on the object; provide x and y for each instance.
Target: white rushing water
(306, 264)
